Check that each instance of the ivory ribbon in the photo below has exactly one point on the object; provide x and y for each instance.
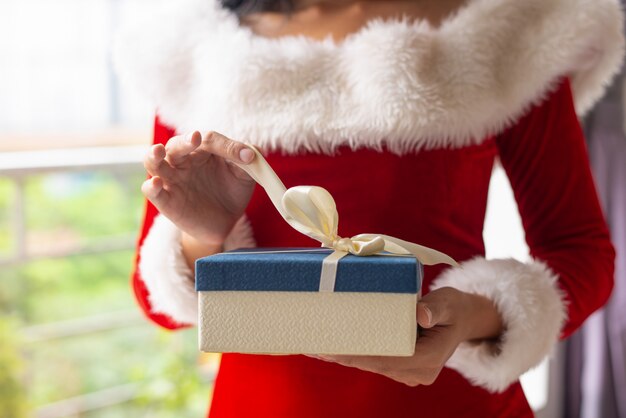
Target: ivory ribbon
(311, 210)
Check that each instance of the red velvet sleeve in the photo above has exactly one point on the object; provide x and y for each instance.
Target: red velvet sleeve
(162, 134)
(545, 158)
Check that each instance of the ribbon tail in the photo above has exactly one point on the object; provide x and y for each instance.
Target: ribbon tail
(267, 178)
(425, 255)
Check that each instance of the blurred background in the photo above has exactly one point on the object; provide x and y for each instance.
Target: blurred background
(72, 342)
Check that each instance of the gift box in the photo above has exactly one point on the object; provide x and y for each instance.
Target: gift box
(276, 301)
(357, 296)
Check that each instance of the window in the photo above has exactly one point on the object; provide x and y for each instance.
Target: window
(71, 144)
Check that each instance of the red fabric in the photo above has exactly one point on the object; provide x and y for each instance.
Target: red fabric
(436, 198)
(162, 134)
(545, 158)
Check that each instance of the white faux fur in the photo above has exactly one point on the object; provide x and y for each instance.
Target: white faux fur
(241, 236)
(163, 269)
(533, 310)
(165, 272)
(404, 84)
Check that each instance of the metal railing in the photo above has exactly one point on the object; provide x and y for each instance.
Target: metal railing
(17, 167)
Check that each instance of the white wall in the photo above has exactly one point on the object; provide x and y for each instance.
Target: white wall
(55, 68)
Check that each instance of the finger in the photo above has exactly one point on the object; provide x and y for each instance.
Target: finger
(379, 364)
(401, 369)
(154, 191)
(218, 144)
(358, 362)
(424, 315)
(434, 308)
(178, 147)
(155, 163)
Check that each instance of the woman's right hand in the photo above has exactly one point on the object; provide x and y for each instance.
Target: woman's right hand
(196, 186)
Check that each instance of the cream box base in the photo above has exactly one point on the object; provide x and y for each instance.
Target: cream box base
(269, 322)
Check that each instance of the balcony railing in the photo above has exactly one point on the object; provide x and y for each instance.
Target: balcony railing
(18, 167)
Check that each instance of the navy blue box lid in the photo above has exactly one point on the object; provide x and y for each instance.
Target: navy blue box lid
(298, 270)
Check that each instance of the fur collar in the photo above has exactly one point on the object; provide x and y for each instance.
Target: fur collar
(395, 83)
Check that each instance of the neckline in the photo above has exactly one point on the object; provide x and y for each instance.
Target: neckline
(389, 82)
(409, 22)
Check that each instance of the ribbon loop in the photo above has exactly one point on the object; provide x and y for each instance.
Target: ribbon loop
(311, 210)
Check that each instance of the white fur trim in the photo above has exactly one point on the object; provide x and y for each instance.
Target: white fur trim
(241, 236)
(403, 84)
(163, 268)
(533, 311)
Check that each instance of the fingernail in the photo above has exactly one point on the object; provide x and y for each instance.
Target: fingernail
(246, 155)
(429, 315)
(157, 152)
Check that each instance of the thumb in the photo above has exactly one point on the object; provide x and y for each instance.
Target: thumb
(434, 308)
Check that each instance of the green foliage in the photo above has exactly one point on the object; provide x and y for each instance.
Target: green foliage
(66, 210)
(6, 199)
(86, 204)
(172, 388)
(13, 394)
(73, 286)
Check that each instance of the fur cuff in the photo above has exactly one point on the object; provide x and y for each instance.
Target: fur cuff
(165, 272)
(167, 277)
(533, 311)
(241, 236)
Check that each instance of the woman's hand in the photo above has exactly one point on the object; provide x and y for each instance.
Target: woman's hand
(448, 317)
(196, 186)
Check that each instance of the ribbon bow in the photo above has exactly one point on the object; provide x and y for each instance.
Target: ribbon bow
(311, 210)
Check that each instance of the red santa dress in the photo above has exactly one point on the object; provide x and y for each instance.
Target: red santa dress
(402, 123)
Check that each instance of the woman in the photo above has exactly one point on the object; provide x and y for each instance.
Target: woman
(400, 107)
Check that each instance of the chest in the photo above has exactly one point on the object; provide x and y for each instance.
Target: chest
(410, 196)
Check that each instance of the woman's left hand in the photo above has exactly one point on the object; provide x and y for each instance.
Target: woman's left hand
(448, 317)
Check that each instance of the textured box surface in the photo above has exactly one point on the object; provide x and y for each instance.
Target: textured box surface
(269, 303)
